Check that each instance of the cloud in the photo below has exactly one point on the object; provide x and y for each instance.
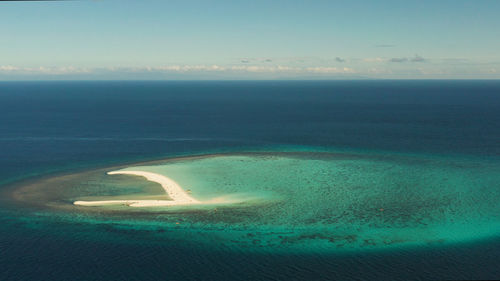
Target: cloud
(326, 70)
(182, 69)
(56, 70)
(379, 71)
(256, 60)
(8, 68)
(338, 59)
(418, 58)
(398, 60)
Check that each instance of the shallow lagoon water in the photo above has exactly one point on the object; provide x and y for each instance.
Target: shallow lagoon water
(299, 201)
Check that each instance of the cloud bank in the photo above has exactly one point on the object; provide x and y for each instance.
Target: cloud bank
(246, 69)
(8, 69)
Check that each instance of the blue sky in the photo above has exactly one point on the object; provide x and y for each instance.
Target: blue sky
(121, 39)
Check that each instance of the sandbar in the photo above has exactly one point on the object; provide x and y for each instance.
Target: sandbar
(177, 195)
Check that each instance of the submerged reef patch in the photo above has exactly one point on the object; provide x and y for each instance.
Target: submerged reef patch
(295, 200)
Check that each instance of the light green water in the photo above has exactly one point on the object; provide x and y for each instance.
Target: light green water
(300, 200)
(331, 201)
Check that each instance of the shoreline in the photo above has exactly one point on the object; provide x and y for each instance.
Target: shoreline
(14, 194)
(177, 195)
(180, 208)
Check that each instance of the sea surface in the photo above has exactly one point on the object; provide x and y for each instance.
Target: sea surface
(412, 166)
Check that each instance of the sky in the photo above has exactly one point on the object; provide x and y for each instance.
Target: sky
(232, 39)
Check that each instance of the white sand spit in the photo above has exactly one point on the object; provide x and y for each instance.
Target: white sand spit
(173, 190)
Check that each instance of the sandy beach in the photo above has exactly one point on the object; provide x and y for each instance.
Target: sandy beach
(178, 195)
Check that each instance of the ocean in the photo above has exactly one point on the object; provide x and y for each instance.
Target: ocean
(55, 128)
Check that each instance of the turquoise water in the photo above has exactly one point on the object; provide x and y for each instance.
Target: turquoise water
(305, 201)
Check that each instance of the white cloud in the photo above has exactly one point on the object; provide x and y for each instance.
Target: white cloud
(379, 71)
(7, 68)
(329, 70)
(175, 68)
(264, 69)
(255, 71)
(60, 70)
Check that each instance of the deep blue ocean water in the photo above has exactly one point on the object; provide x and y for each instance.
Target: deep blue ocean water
(49, 127)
